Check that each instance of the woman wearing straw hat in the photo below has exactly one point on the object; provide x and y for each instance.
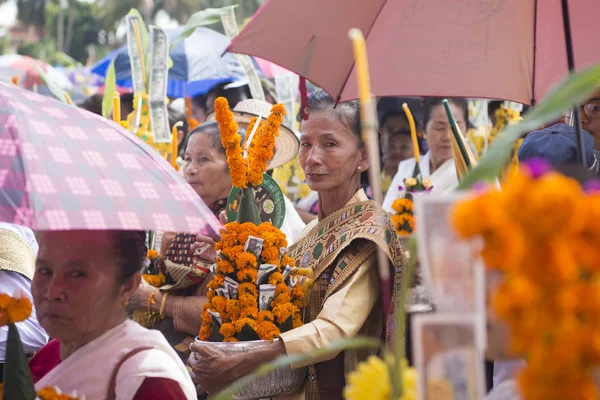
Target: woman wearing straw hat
(286, 149)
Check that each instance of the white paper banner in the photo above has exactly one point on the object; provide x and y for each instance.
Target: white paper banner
(135, 54)
(231, 30)
(159, 54)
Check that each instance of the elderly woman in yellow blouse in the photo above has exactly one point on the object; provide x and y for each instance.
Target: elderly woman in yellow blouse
(345, 299)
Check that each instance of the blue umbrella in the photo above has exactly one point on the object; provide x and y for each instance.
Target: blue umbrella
(197, 63)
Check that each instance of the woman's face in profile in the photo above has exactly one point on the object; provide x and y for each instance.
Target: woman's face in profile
(75, 287)
(205, 169)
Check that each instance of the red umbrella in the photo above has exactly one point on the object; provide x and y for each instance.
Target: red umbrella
(63, 168)
(506, 49)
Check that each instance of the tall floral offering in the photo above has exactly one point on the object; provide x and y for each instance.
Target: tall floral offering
(541, 234)
(256, 292)
(404, 219)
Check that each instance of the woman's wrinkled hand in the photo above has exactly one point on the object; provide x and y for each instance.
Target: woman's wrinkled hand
(204, 246)
(141, 295)
(212, 370)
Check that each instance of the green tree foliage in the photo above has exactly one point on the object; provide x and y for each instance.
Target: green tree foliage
(69, 28)
(80, 27)
(180, 10)
(42, 50)
(32, 12)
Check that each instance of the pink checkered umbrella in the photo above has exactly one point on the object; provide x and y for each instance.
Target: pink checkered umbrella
(63, 168)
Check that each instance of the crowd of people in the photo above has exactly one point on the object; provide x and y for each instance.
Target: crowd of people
(86, 285)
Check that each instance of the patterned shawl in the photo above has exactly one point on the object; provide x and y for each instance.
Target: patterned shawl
(183, 270)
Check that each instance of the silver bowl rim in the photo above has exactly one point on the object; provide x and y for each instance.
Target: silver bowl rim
(235, 344)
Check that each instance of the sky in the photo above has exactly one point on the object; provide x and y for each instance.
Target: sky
(8, 13)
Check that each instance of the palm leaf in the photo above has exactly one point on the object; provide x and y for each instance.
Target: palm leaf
(201, 18)
(577, 87)
(110, 84)
(336, 347)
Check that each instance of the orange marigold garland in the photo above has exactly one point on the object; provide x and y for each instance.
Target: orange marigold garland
(256, 292)
(155, 280)
(231, 140)
(50, 393)
(404, 218)
(542, 233)
(13, 309)
(249, 172)
(250, 299)
(263, 144)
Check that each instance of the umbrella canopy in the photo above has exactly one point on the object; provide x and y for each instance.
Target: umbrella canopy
(26, 70)
(63, 168)
(426, 48)
(198, 63)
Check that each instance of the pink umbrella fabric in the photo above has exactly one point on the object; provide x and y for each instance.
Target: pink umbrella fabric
(479, 49)
(63, 168)
(271, 70)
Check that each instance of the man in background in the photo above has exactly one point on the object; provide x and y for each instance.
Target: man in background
(590, 120)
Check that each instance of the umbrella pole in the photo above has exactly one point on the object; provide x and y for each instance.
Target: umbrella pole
(571, 64)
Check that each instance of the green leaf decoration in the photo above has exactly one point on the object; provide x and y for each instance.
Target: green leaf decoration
(247, 334)
(248, 211)
(18, 383)
(334, 348)
(201, 18)
(215, 335)
(169, 62)
(457, 133)
(287, 325)
(417, 172)
(577, 87)
(110, 85)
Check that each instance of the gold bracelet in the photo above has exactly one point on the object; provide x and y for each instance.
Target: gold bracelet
(163, 304)
(151, 299)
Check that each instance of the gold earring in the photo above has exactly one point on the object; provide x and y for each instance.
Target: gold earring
(125, 303)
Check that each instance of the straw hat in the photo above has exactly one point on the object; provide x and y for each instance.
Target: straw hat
(287, 144)
(16, 254)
